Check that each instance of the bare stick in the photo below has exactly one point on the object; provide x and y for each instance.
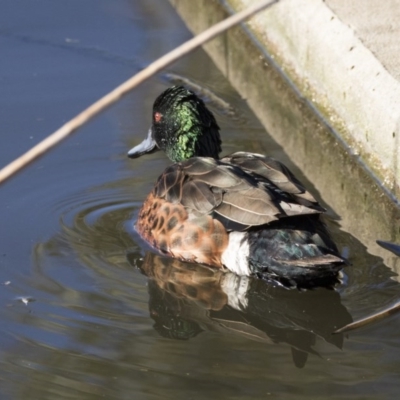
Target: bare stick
(127, 86)
(392, 309)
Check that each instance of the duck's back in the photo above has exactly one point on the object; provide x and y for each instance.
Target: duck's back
(245, 212)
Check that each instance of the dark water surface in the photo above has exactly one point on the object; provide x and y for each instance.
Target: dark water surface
(86, 310)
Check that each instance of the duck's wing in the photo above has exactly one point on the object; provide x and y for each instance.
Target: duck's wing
(276, 177)
(205, 186)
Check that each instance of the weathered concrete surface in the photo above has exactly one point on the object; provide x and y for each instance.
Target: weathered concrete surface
(377, 24)
(336, 54)
(309, 47)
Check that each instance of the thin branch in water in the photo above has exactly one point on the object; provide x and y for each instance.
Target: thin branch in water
(116, 94)
(393, 247)
(392, 309)
(205, 94)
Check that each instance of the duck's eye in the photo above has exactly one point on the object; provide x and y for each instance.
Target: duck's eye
(157, 117)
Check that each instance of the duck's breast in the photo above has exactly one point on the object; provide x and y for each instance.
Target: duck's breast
(169, 228)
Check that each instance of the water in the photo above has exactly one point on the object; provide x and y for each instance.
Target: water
(87, 311)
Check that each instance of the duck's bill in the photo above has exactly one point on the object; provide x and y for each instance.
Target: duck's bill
(147, 146)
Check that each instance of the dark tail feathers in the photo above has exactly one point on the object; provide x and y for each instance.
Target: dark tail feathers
(297, 252)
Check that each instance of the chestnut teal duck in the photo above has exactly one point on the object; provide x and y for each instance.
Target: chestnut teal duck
(245, 212)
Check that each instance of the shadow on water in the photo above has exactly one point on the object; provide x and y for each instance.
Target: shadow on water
(186, 299)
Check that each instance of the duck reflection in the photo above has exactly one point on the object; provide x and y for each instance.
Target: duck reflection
(186, 299)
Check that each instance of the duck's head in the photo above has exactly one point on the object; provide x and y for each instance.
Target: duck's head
(182, 126)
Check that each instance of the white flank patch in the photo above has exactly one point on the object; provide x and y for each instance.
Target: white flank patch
(236, 287)
(235, 257)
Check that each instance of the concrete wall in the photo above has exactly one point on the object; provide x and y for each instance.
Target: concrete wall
(344, 80)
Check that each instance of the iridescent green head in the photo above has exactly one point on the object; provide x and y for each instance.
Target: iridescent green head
(182, 126)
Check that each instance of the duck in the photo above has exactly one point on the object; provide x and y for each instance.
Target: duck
(245, 212)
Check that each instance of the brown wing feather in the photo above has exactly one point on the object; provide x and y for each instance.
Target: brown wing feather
(247, 189)
(250, 207)
(198, 197)
(278, 174)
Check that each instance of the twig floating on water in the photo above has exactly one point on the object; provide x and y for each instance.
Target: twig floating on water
(371, 318)
(393, 247)
(205, 94)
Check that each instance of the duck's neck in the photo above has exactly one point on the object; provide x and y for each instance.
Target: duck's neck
(209, 145)
(194, 143)
(186, 145)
